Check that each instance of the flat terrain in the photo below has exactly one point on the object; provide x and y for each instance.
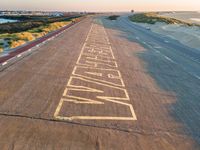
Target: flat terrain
(192, 17)
(88, 90)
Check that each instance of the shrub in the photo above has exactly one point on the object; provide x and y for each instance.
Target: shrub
(113, 17)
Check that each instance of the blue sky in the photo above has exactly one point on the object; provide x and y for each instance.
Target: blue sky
(100, 5)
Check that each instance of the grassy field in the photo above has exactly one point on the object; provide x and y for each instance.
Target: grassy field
(16, 34)
(152, 18)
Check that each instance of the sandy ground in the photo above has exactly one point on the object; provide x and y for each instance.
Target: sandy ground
(192, 17)
(189, 36)
(31, 90)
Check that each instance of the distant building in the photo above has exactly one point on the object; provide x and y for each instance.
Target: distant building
(30, 13)
(57, 14)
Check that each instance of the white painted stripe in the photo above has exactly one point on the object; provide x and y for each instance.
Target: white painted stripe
(158, 47)
(3, 64)
(198, 77)
(157, 51)
(169, 59)
(19, 55)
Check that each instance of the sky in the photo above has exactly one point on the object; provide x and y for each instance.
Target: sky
(101, 5)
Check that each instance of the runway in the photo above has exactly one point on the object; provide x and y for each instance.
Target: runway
(89, 89)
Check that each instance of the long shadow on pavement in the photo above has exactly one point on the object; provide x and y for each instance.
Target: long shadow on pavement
(171, 78)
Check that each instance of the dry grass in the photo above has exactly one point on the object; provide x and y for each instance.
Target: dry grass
(27, 36)
(18, 39)
(54, 26)
(152, 18)
(17, 43)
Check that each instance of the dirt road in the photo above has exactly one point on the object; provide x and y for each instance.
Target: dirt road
(86, 90)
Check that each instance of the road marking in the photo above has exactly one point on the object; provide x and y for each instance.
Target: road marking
(137, 38)
(157, 47)
(168, 59)
(166, 41)
(95, 84)
(5, 63)
(198, 77)
(19, 55)
(144, 42)
(109, 76)
(157, 51)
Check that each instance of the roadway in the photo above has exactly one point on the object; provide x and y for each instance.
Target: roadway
(174, 66)
(89, 89)
(188, 58)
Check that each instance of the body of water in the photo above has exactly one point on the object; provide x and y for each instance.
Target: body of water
(2, 20)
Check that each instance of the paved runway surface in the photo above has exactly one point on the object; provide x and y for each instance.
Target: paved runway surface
(87, 90)
(175, 68)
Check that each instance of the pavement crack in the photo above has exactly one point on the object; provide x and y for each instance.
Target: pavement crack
(129, 131)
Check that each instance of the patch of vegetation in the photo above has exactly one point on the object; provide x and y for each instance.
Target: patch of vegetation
(18, 33)
(113, 17)
(9, 42)
(152, 18)
(18, 26)
(1, 47)
(36, 30)
(17, 39)
(8, 37)
(30, 22)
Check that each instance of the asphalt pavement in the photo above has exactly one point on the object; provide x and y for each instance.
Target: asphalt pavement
(174, 66)
(94, 87)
